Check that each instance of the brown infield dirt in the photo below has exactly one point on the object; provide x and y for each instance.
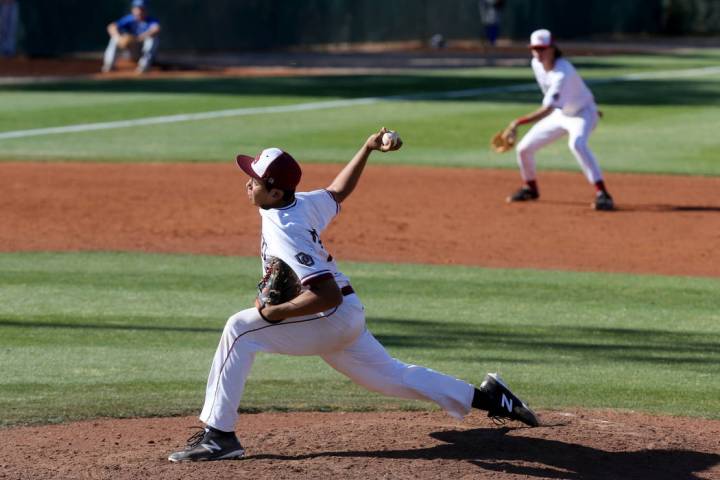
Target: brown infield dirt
(571, 444)
(664, 225)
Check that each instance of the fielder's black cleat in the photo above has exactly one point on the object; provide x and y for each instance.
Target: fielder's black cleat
(207, 445)
(504, 404)
(523, 195)
(603, 201)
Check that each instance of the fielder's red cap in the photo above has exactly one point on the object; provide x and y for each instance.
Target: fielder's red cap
(276, 168)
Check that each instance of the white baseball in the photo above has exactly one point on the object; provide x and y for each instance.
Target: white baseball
(390, 138)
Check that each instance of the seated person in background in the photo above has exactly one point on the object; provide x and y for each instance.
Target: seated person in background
(137, 32)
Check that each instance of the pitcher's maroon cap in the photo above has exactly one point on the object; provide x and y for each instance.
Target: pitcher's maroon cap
(276, 168)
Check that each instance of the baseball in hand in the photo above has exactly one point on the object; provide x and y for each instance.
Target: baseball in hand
(390, 138)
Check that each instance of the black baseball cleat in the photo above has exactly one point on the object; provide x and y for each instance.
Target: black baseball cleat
(523, 195)
(603, 201)
(504, 404)
(207, 445)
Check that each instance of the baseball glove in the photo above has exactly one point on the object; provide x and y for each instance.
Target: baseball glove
(279, 285)
(504, 140)
(126, 40)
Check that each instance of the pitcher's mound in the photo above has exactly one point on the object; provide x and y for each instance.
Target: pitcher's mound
(572, 444)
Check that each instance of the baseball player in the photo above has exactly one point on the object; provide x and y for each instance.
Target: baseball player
(568, 107)
(142, 29)
(327, 318)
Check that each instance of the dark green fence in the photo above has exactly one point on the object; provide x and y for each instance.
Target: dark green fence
(54, 27)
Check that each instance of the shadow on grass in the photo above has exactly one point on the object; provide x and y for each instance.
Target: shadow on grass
(491, 450)
(613, 344)
(117, 323)
(640, 92)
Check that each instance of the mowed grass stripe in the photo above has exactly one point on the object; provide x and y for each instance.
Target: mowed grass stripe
(658, 125)
(302, 107)
(121, 334)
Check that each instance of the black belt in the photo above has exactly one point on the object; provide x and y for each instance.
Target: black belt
(347, 290)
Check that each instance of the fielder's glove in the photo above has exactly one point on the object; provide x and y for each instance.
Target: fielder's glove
(126, 41)
(280, 284)
(504, 140)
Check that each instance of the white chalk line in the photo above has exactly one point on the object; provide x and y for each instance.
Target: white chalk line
(241, 112)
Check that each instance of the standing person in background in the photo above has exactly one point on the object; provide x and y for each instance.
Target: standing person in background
(137, 32)
(568, 107)
(8, 27)
(490, 17)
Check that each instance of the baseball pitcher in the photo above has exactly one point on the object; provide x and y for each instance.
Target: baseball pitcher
(307, 306)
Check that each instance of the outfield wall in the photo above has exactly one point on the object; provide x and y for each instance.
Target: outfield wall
(52, 27)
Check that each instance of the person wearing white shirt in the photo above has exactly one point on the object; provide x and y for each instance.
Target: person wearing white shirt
(326, 319)
(568, 107)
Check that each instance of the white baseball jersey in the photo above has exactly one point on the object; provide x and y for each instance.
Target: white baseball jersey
(292, 233)
(563, 87)
(338, 335)
(575, 115)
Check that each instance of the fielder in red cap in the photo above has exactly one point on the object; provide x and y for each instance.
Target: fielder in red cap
(327, 318)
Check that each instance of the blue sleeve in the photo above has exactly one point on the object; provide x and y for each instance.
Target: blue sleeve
(125, 22)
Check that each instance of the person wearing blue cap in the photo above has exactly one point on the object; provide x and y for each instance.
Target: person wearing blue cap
(137, 32)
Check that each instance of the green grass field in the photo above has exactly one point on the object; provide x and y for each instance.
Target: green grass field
(124, 334)
(118, 334)
(655, 125)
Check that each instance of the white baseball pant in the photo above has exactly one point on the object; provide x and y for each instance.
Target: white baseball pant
(144, 55)
(340, 337)
(554, 126)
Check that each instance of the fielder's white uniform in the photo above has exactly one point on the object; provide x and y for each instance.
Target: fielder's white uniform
(339, 335)
(575, 113)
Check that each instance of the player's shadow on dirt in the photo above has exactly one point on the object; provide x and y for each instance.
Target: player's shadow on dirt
(659, 208)
(539, 457)
(491, 449)
(670, 208)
